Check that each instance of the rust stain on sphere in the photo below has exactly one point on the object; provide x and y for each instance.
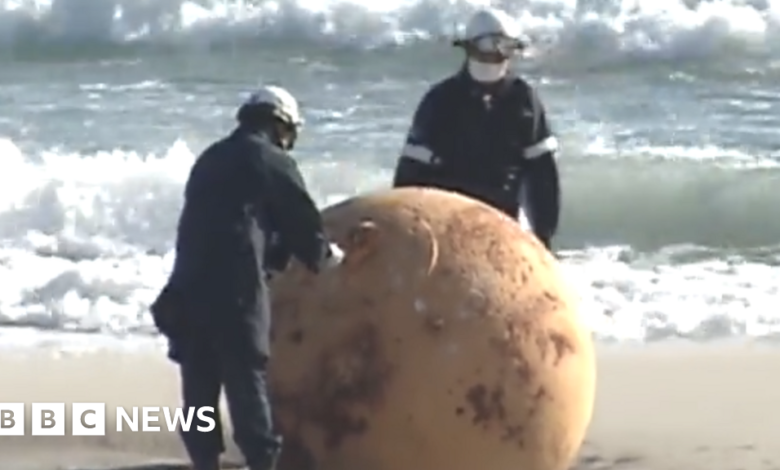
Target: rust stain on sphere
(447, 341)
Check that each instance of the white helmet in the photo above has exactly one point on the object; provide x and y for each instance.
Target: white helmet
(282, 102)
(491, 22)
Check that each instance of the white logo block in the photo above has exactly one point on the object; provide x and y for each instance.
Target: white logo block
(11, 419)
(89, 419)
(48, 419)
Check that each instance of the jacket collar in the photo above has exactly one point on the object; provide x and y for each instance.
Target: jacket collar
(253, 134)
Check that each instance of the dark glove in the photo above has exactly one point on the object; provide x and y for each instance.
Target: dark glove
(546, 241)
(168, 312)
(277, 256)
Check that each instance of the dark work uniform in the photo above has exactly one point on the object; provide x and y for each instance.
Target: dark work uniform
(489, 142)
(246, 206)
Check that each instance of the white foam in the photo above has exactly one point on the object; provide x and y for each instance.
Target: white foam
(610, 29)
(85, 243)
(649, 299)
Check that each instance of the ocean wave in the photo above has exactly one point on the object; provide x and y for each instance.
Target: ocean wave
(86, 241)
(130, 201)
(652, 204)
(640, 29)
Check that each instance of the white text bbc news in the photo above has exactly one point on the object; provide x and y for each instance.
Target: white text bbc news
(89, 419)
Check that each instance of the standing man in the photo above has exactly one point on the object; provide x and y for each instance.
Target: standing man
(483, 132)
(246, 213)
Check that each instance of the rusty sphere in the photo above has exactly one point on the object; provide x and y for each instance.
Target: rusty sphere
(448, 340)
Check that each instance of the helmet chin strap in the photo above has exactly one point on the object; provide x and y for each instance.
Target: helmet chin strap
(274, 132)
(282, 137)
(287, 144)
(275, 136)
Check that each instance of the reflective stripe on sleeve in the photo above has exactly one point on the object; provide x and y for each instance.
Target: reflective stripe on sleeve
(417, 152)
(547, 145)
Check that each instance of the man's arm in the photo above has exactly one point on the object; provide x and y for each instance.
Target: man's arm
(197, 245)
(414, 167)
(541, 173)
(200, 215)
(296, 215)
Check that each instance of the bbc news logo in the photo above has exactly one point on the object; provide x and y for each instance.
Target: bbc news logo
(89, 419)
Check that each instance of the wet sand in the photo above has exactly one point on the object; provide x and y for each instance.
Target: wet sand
(658, 408)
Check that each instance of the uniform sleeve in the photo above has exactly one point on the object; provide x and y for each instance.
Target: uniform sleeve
(419, 143)
(194, 236)
(543, 141)
(414, 166)
(295, 213)
(541, 174)
(199, 214)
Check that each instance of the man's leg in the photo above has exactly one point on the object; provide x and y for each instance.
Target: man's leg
(250, 411)
(201, 384)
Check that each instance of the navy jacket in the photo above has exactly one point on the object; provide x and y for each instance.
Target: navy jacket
(246, 210)
(491, 143)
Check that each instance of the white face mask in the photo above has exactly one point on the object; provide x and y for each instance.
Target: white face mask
(487, 73)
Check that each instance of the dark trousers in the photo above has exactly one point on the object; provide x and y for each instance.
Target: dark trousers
(204, 371)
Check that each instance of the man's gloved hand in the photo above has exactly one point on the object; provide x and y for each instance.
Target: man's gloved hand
(335, 256)
(169, 312)
(545, 239)
(276, 257)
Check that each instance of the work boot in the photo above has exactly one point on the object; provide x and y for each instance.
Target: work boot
(268, 462)
(206, 464)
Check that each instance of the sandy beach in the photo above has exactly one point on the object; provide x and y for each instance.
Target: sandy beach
(658, 408)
